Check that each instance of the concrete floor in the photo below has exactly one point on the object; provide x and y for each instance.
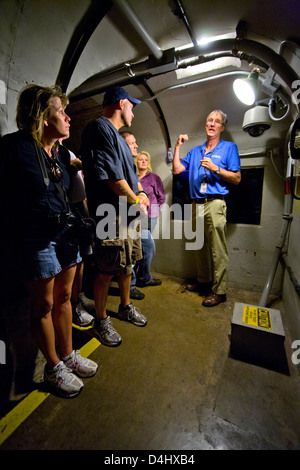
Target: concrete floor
(172, 386)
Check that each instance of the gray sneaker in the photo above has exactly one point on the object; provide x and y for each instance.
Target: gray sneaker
(87, 304)
(132, 314)
(106, 333)
(80, 316)
(63, 381)
(136, 294)
(81, 366)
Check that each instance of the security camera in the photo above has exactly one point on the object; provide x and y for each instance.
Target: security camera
(256, 121)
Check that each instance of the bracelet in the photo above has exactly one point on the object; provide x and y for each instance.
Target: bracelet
(143, 192)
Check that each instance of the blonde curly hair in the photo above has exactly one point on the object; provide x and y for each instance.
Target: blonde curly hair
(149, 167)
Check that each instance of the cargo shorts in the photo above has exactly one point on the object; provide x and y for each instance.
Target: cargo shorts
(116, 256)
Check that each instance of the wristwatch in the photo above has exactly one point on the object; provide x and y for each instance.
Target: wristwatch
(217, 171)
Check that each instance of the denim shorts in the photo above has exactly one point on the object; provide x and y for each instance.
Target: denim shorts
(46, 259)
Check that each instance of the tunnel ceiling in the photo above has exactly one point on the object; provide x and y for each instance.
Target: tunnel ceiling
(135, 43)
(107, 34)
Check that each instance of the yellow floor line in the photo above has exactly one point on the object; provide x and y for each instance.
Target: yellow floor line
(10, 422)
(89, 347)
(82, 328)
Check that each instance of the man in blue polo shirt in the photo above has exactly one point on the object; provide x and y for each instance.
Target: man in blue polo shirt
(212, 167)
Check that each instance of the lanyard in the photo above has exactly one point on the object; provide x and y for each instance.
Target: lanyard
(206, 177)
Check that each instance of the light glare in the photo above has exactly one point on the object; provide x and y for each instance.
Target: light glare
(244, 91)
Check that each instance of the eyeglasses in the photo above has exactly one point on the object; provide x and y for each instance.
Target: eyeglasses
(217, 121)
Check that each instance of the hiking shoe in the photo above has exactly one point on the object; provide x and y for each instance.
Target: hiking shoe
(132, 314)
(106, 333)
(136, 294)
(80, 316)
(63, 381)
(87, 304)
(81, 366)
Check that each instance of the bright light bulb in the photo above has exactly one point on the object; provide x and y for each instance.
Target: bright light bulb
(244, 91)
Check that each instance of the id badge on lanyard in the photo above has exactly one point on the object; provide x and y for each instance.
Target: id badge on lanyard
(203, 186)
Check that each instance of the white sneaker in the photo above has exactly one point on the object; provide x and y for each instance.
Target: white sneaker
(80, 316)
(81, 366)
(63, 381)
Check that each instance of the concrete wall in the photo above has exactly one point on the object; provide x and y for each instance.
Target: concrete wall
(34, 37)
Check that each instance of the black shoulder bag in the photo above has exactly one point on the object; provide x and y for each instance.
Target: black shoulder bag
(74, 228)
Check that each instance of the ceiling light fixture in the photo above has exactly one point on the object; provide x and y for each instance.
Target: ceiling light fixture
(245, 88)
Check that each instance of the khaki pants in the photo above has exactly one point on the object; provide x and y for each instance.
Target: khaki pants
(212, 259)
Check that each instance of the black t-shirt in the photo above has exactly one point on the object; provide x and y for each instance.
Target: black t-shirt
(26, 202)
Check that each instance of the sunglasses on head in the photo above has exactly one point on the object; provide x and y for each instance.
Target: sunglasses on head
(55, 169)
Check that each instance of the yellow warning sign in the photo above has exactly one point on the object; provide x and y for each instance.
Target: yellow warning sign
(257, 316)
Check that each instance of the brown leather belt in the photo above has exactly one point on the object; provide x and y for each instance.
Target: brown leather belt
(202, 200)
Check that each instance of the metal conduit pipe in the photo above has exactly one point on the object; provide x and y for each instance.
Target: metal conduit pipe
(135, 74)
(287, 218)
(124, 75)
(85, 29)
(275, 61)
(127, 11)
(169, 62)
(196, 82)
(179, 11)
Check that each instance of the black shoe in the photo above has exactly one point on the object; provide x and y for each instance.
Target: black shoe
(154, 282)
(136, 294)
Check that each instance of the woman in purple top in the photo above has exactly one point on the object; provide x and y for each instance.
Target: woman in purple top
(153, 186)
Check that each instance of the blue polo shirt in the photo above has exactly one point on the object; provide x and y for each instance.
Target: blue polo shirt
(225, 155)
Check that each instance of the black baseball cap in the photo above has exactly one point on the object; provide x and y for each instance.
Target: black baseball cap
(116, 93)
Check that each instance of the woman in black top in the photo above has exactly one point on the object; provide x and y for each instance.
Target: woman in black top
(34, 219)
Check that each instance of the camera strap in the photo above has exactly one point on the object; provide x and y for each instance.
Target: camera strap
(59, 187)
(45, 174)
(42, 163)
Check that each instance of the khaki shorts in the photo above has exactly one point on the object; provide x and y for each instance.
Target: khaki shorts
(116, 256)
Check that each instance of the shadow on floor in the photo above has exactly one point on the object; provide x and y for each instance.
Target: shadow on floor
(172, 385)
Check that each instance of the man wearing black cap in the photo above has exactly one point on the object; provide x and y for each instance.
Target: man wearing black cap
(111, 182)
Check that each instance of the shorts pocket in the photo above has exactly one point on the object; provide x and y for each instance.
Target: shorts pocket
(111, 256)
